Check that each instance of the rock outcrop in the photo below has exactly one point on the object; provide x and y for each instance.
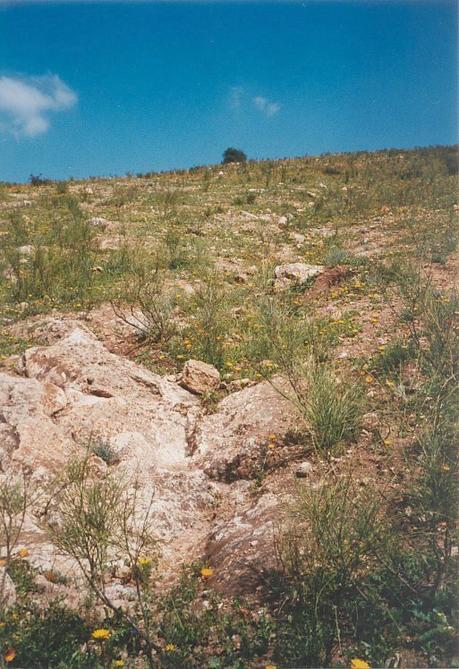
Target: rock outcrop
(72, 396)
(227, 442)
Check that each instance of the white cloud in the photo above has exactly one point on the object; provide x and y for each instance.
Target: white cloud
(240, 98)
(266, 106)
(236, 95)
(27, 102)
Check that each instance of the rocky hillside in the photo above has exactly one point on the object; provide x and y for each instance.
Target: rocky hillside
(227, 407)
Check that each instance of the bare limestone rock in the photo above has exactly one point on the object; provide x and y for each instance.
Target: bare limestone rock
(7, 590)
(28, 434)
(294, 273)
(199, 377)
(228, 440)
(241, 549)
(72, 394)
(79, 395)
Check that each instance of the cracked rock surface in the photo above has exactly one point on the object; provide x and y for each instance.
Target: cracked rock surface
(73, 393)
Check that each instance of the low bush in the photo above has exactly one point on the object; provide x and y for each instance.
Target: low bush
(332, 408)
(148, 306)
(333, 538)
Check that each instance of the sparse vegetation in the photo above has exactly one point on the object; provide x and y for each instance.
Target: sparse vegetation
(366, 549)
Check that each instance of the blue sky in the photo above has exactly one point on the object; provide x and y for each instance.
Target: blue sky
(98, 88)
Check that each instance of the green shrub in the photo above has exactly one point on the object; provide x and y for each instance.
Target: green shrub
(98, 521)
(23, 577)
(247, 198)
(148, 306)
(391, 360)
(15, 498)
(50, 638)
(336, 256)
(232, 155)
(332, 538)
(60, 266)
(211, 318)
(332, 408)
(105, 451)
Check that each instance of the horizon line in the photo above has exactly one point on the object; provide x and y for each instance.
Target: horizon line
(324, 154)
(15, 3)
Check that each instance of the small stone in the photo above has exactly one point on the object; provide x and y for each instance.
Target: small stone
(98, 222)
(199, 377)
(303, 470)
(370, 420)
(363, 482)
(239, 384)
(295, 273)
(26, 250)
(298, 238)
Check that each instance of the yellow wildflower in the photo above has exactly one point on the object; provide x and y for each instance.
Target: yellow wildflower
(368, 379)
(170, 648)
(356, 663)
(9, 655)
(118, 663)
(23, 552)
(101, 634)
(271, 445)
(270, 666)
(207, 572)
(144, 561)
